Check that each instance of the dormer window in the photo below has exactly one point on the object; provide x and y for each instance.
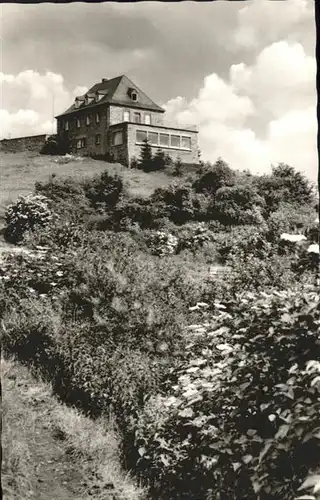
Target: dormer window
(78, 101)
(133, 94)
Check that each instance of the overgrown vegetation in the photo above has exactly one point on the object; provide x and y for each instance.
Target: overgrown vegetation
(213, 380)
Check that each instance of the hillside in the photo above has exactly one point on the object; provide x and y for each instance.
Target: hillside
(212, 379)
(19, 172)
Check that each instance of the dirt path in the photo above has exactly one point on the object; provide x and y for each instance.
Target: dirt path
(51, 452)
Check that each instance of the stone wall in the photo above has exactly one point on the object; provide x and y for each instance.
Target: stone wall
(31, 143)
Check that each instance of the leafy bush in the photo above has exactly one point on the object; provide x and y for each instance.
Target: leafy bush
(284, 185)
(239, 417)
(56, 145)
(214, 177)
(103, 191)
(27, 213)
(237, 205)
(161, 243)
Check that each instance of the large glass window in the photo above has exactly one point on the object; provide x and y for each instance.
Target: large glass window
(141, 135)
(153, 138)
(175, 141)
(186, 142)
(164, 139)
(117, 138)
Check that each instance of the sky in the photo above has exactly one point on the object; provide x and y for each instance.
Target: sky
(243, 72)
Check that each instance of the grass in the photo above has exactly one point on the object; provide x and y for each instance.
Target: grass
(53, 451)
(20, 171)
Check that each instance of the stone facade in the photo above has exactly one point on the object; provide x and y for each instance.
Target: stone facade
(31, 143)
(110, 125)
(130, 147)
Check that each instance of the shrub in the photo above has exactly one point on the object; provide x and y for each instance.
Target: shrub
(239, 417)
(213, 177)
(284, 185)
(27, 213)
(66, 197)
(103, 191)
(178, 168)
(237, 205)
(56, 145)
(161, 243)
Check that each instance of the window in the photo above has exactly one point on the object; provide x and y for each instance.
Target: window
(78, 123)
(81, 143)
(97, 118)
(134, 96)
(66, 126)
(175, 141)
(137, 117)
(98, 138)
(117, 138)
(147, 119)
(164, 139)
(186, 142)
(141, 135)
(126, 116)
(153, 138)
(88, 120)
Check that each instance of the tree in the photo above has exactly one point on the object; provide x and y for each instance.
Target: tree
(145, 160)
(214, 177)
(56, 145)
(177, 167)
(284, 185)
(239, 204)
(159, 160)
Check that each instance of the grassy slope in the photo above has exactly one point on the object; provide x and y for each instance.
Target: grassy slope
(19, 172)
(53, 452)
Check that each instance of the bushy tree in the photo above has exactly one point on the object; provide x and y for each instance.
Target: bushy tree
(214, 177)
(56, 145)
(145, 160)
(103, 191)
(285, 184)
(237, 205)
(178, 167)
(159, 160)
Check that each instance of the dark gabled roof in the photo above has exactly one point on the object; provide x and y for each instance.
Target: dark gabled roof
(115, 91)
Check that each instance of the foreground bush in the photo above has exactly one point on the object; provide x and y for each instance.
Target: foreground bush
(239, 418)
(27, 213)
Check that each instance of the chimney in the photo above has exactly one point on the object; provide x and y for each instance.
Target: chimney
(104, 80)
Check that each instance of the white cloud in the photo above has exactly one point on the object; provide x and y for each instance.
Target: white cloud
(261, 22)
(278, 89)
(29, 100)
